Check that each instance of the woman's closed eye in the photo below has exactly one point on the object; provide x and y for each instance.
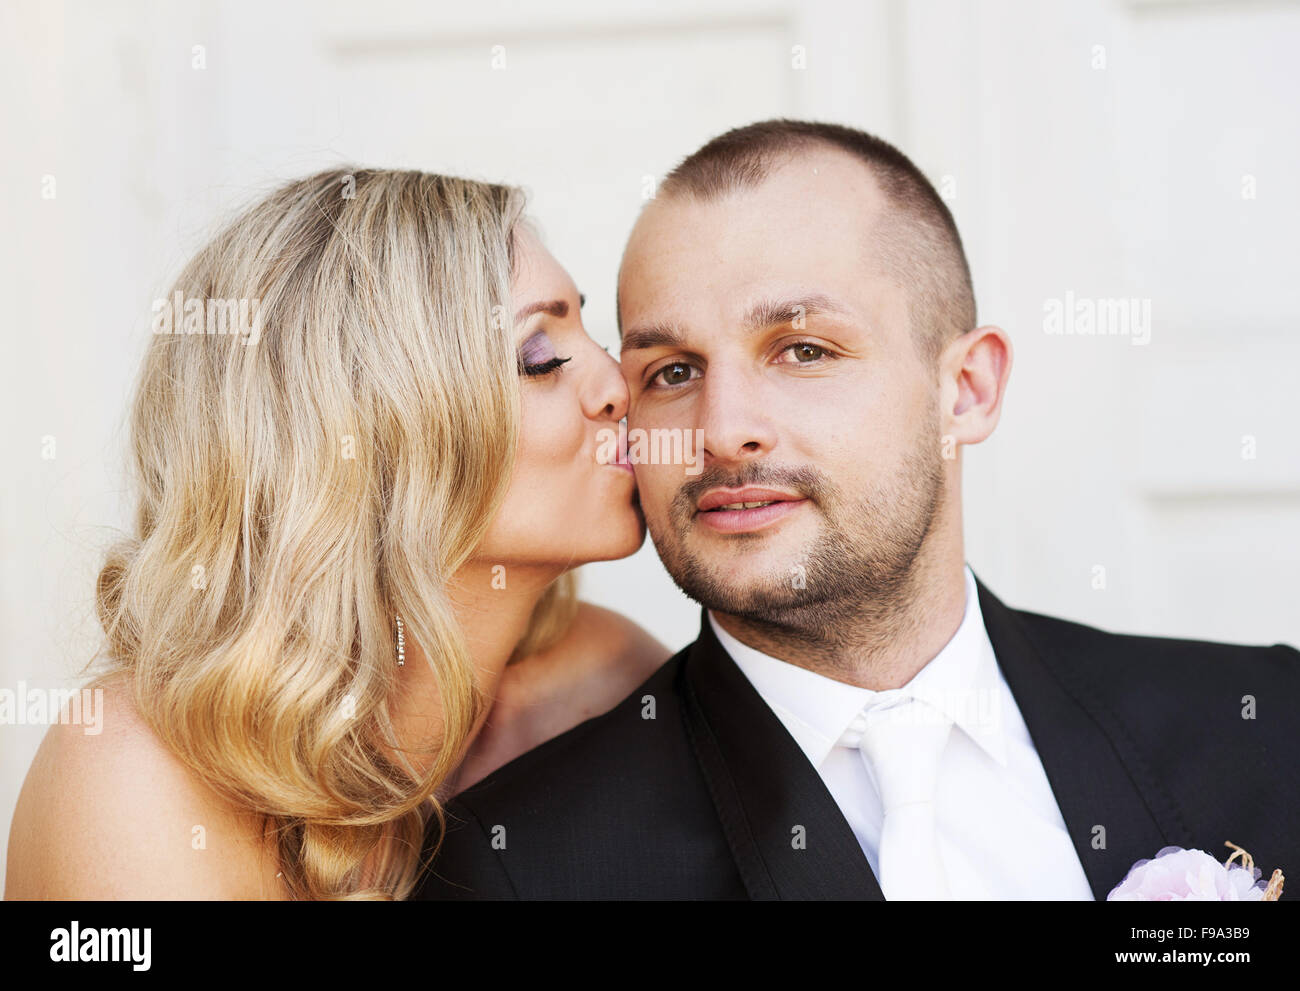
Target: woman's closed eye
(545, 367)
(537, 356)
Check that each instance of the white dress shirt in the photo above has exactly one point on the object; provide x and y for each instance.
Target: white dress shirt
(1001, 834)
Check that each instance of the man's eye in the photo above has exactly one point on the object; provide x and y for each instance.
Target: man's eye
(804, 352)
(676, 373)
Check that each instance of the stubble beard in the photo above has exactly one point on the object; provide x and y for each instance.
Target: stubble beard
(853, 589)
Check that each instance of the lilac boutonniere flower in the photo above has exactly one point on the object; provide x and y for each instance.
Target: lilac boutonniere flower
(1178, 875)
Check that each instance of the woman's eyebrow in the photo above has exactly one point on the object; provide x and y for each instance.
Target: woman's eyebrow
(555, 307)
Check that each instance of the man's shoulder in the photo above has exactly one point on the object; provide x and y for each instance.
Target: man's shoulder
(627, 739)
(1126, 656)
(1169, 688)
(616, 807)
(1207, 730)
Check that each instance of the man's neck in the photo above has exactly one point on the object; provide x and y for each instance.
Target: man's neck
(869, 645)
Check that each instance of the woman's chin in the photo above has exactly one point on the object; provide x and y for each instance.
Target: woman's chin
(616, 536)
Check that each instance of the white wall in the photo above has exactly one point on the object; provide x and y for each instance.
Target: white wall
(1111, 171)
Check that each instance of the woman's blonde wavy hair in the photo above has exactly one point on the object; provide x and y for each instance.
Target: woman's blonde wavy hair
(299, 490)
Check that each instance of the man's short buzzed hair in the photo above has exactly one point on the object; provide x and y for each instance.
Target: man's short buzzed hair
(919, 243)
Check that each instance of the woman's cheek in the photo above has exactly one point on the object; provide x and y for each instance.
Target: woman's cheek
(548, 421)
(569, 436)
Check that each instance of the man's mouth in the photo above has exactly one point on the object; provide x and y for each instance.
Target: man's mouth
(742, 510)
(721, 500)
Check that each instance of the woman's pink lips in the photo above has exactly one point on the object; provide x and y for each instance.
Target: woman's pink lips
(622, 461)
(743, 520)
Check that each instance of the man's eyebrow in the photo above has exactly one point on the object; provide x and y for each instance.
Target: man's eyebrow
(659, 335)
(771, 312)
(763, 314)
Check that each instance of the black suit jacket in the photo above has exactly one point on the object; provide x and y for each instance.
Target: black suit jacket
(691, 788)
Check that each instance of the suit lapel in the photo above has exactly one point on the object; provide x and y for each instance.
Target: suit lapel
(767, 795)
(1084, 753)
(763, 786)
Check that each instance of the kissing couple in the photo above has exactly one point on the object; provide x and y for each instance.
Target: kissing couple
(344, 634)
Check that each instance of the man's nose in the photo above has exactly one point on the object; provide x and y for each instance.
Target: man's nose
(731, 414)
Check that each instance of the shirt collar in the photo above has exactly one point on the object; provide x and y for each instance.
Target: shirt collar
(962, 681)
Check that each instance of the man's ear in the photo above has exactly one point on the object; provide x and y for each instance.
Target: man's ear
(973, 374)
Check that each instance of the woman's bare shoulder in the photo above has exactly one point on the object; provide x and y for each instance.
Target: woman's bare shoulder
(108, 812)
(600, 659)
(604, 634)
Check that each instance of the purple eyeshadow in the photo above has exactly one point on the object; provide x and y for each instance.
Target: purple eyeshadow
(536, 349)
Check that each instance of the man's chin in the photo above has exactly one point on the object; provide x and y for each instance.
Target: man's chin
(763, 601)
(747, 590)
(740, 573)
(751, 558)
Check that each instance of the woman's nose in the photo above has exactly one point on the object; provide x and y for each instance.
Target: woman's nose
(605, 396)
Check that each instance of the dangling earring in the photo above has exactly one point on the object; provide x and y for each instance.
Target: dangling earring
(401, 642)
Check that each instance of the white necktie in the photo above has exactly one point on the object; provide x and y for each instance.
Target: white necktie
(901, 739)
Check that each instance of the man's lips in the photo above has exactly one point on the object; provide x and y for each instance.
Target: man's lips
(735, 499)
(735, 510)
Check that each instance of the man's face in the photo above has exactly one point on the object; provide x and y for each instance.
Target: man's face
(764, 320)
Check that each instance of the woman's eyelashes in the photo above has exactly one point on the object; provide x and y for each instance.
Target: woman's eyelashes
(537, 356)
(546, 367)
